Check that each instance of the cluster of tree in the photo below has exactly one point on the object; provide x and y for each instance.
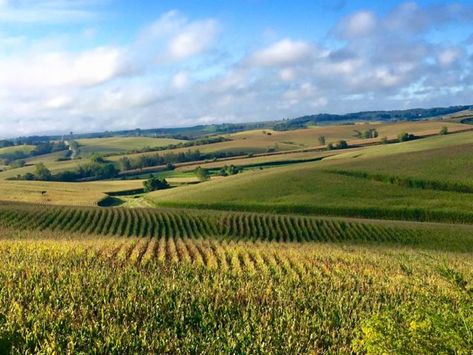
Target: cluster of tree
(154, 183)
(228, 170)
(4, 143)
(404, 137)
(444, 131)
(88, 171)
(396, 115)
(40, 149)
(202, 174)
(339, 145)
(148, 160)
(370, 133)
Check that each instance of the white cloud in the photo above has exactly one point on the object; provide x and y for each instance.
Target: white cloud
(180, 80)
(196, 38)
(46, 11)
(448, 56)
(283, 52)
(174, 37)
(359, 24)
(60, 69)
(287, 74)
(383, 62)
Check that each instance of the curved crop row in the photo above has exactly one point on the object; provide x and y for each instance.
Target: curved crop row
(175, 224)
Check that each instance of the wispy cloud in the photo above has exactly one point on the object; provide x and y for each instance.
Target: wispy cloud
(46, 11)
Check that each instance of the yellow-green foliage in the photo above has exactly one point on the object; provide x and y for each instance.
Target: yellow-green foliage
(72, 293)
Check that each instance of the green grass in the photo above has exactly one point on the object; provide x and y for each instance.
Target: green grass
(308, 188)
(447, 164)
(121, 144)
(17, 148)
(62, 193)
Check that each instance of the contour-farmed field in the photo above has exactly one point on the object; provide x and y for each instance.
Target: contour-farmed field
(70, 293)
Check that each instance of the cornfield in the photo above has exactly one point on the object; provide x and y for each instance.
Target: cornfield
(92, 280)
(181, 223)
(95, 294)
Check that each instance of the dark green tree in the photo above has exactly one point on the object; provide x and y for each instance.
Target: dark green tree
(202, 174)
(154, 183)
(42, 172)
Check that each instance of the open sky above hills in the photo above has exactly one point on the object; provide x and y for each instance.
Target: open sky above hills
(91, 65)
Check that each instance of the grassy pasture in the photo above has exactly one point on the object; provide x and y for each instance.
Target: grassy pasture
(389, 150)
(453, 163)
(58, 193)
(257, 142)
(17, 148)
(308, 188)
(70, 293)
(309, 136)
(255, 160)
(121, 144)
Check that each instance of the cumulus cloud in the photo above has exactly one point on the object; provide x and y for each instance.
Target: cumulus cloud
(176, 71)
(173, 37)
(61, 69)
(357, 25)
(283, 52)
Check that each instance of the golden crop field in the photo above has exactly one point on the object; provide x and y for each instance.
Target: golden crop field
(69, 293)
(62, 193)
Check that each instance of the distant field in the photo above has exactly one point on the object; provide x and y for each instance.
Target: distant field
(121, 144)
(244, 142)
(309, 188)
(454, 164)
(280, 158)
(16, 148)
(259, 141)
(57, 193)
(309, 136)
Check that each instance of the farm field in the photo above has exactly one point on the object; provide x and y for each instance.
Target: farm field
(61, 193)
(236, 177)
(16, 148)
(309, 136)
(304, 251)
(178, 292)
(449, 164)
(314, 188)
(255, 142)
(121, 144)
(259, 141)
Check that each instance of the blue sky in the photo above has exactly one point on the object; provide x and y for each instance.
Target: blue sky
(88, 65)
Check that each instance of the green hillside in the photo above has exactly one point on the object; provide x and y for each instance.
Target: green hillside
(121, 144)
(315, 188)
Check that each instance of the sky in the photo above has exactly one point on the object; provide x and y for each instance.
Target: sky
(96, 65)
